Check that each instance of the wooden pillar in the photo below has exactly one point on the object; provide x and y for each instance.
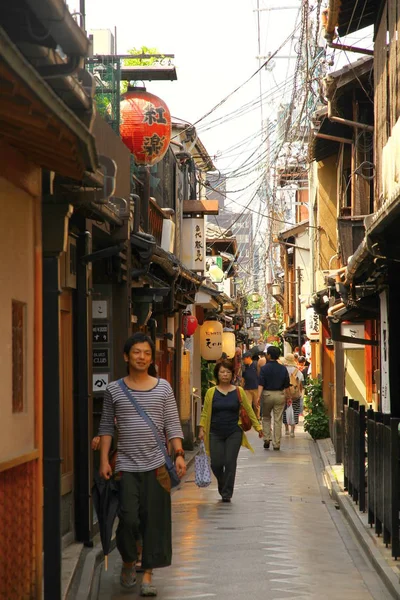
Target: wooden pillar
(51, 430)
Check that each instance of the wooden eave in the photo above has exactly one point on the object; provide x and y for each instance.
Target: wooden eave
(36, 122)
(203, 207)
(350, 16)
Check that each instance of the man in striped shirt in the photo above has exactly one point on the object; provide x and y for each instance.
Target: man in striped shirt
(144, 485)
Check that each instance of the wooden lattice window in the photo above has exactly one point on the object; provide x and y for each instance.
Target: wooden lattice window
(18, 356)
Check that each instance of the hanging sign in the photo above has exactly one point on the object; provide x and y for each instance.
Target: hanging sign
(353, 330)
(99, 309)
(193, 244)
(100, 334)
(100, 381)
(312, 324)
(385, 384)
(100, 358)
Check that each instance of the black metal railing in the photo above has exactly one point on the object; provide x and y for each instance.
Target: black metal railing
(354, 451)
(371, 461)
(383, 477)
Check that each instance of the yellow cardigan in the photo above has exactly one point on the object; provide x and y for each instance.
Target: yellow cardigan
(205, 419)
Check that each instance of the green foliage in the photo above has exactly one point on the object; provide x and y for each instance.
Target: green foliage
(251, 305)
(207, 376)
(316, 420)
(139, 62)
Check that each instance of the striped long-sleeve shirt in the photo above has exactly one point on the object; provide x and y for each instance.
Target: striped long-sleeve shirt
(138, 450)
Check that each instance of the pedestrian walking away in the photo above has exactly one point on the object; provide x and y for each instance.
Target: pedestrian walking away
(250, 381)
(296, 392)
(273, 389)
(220, 427)
(143, 480)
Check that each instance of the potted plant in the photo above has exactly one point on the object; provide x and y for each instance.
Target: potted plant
(316, 421)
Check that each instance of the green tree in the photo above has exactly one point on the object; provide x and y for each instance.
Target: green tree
(139, 62)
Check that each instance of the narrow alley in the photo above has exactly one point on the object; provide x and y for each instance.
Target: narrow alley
(280, 538)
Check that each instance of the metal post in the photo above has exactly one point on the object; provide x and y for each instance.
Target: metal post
(82, 10)
(51, 432)
(298, 307)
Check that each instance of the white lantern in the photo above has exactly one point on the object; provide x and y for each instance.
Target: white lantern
(228, 343)
(211, 340)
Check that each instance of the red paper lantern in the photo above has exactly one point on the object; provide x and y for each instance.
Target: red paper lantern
(189, 325)
(145, 126)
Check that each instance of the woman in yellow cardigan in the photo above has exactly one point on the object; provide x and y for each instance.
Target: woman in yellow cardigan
(220, 427)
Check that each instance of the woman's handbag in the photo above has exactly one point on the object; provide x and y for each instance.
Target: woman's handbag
(169, 464)
(202, 468)
(290, 415)
(244, 417)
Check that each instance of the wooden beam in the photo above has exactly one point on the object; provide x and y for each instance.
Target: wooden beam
(205, 207)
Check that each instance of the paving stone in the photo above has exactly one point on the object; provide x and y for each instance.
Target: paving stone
(279, 539)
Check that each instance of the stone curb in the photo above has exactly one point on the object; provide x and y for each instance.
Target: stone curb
(95, 557)
(362, 534)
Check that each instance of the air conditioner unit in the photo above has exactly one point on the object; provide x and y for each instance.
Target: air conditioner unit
(168, 235)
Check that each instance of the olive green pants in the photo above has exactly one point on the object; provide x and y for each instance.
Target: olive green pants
(145, 513)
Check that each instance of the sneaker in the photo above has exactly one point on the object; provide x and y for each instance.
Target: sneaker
(127, 578)
(286, 431)
(292, 434)
(266, 445)
(226, 499)
(277, 448)
(148, 589)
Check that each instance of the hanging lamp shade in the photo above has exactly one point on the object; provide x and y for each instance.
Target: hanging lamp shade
(145, 126)
(189, 324)
(211, 340)
(216, 274)
(228, 342)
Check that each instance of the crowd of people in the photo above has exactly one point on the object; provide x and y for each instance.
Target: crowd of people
(252, 390)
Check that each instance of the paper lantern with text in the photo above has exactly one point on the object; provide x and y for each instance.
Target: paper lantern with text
(228, 342)
(145, 126)
(211, 340)
(189, 324)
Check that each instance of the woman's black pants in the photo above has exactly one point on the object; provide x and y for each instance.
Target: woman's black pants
(224, 452)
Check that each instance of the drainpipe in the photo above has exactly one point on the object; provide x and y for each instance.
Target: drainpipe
(312, 178)
(348, 122)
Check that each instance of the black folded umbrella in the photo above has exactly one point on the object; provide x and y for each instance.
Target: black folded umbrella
(105, 501)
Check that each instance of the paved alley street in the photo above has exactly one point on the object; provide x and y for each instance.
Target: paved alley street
(280, 538)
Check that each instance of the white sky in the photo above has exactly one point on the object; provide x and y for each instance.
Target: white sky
(215, 47)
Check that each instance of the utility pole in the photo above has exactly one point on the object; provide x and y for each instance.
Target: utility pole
(82, 10)
(299, 307)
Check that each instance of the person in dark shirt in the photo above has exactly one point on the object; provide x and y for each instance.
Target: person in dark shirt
(273, 387)
(220, 427)
(250, 381)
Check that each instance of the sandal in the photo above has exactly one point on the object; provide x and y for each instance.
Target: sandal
(148, 589)
(127, 578)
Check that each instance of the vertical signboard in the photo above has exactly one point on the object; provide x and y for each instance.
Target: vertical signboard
(312, 324)
(194, 244)
(385, 385)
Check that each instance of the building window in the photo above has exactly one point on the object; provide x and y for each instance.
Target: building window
(18, 356)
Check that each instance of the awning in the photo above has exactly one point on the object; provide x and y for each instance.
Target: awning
(34, 120)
